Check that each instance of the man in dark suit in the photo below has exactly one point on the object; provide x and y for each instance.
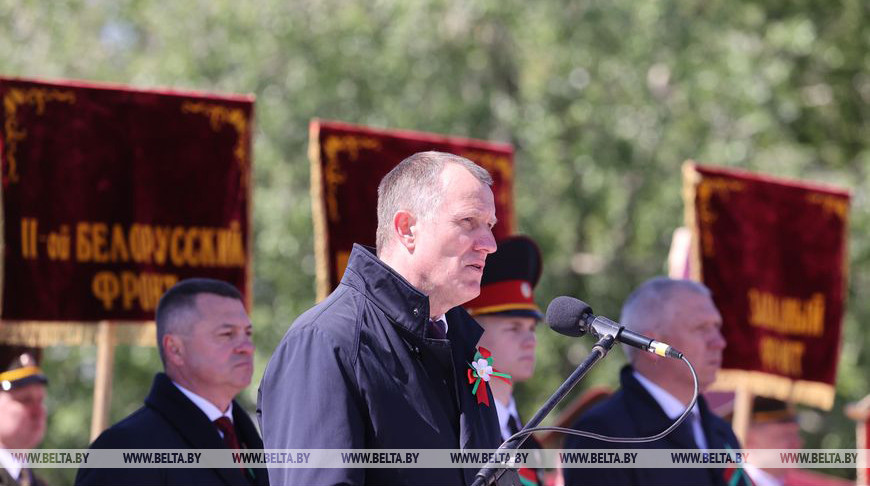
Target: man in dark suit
(383, 362)
(655, 390)
(22, 412)
(507, 312)
(204, 340)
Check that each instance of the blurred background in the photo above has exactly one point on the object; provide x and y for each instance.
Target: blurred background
(603, 101)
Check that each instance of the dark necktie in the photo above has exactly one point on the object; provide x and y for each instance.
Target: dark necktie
(529, 475)
(513, 425)
(232, 441)
(435, 330)
(25, 477)
(226, 426)
(696, 419)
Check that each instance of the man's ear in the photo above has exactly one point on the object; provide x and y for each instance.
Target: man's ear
(173, 349)
(404, 226)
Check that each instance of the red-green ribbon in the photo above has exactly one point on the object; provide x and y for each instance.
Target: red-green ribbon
(733, 474)
(528, 477)
(481, 370)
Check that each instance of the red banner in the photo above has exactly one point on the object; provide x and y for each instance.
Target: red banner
(347, 164)
(773, 253)
(111, 195)
(860, 413)
(864, 444)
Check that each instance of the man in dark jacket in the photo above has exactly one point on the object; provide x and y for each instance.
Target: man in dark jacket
(655, 390)
(382, 363)
(204, 340)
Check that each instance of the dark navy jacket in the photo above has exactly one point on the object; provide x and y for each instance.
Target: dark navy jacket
(633, 412)
(356, 372)
(7, 480)
(169, 420)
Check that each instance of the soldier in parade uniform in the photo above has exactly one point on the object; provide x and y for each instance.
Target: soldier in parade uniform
(507, 312)
(774, 426)
(22, 412)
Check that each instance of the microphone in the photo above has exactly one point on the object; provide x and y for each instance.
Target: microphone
(573, 317)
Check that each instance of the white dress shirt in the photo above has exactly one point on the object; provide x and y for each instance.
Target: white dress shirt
(10, 464)
(504, 414)
(673, 408)
(209, 409)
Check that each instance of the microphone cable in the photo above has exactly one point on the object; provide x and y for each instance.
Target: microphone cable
(629, 440)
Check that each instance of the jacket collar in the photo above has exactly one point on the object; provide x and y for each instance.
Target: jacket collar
(465, 332)
(652, 419)
(190, 422)
(406, 306)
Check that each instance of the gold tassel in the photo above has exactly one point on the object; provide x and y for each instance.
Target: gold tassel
(318, 210)
(690, 181)
(812, 393)
(43, 334)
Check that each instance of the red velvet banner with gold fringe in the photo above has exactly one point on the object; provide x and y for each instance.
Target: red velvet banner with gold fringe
(109, 196)
(347, 164)
(774, 254)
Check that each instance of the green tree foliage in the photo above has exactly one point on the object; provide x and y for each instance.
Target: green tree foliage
(602, 99)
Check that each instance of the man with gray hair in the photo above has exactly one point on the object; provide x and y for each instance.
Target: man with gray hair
(382, 362)
(655, 390)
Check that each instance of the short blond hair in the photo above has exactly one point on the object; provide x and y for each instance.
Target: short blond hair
(415, 185)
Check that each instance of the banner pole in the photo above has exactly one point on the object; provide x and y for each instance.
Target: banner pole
(103, 378)
(742, 412)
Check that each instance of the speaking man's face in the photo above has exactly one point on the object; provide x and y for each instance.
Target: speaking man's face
(452, 245)
(22, 416)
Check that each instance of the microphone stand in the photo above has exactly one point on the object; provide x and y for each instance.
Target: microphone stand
(490, 474)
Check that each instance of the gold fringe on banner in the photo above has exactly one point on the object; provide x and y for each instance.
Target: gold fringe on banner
(812, 393)
(860, 410)
(318, 212)
(43, 334)
(690, 182)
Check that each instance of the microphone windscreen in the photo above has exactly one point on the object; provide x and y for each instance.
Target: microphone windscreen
(564, 315)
